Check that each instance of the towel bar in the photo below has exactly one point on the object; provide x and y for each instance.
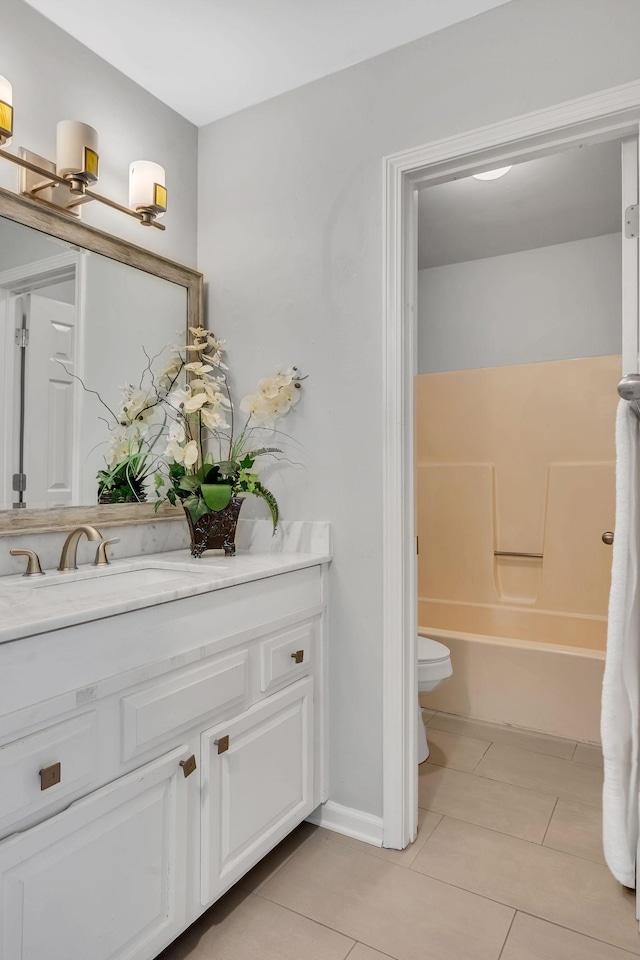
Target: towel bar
(509, 553)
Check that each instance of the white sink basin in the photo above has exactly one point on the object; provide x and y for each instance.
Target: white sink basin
(99, 582)
(111, 582)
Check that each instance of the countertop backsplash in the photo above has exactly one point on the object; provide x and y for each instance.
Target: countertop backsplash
(253, 536)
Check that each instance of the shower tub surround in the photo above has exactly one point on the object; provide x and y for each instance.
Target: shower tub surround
(162, 727)
(516, 485)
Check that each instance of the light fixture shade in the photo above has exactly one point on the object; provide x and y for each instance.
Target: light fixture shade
(147, 187)
(492, 174)
(77, 150)
(6, 110)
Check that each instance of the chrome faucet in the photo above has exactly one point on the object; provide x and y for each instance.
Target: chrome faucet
(68, 557)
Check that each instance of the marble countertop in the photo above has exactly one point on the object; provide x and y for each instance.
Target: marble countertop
(29, 607)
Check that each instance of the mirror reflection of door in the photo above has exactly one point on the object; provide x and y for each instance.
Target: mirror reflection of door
(42, 327)
(50, 408)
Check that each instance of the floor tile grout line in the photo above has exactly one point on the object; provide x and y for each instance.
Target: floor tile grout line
(549, 823)
(581, 933)
(513, 920)
(572, 799)
(528, 913)
(480, 759)
(326, 926)
(481, 826)
(456, 886)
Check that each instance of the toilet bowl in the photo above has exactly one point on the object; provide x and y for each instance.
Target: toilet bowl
(434, 666)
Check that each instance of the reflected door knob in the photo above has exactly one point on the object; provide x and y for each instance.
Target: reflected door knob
(607, 537)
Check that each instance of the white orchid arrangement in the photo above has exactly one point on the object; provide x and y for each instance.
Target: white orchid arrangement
(205, 463)
(186, 404)
(130, 460)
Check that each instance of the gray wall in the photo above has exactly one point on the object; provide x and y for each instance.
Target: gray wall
(552, 303)
(290, 230)
(56, 78)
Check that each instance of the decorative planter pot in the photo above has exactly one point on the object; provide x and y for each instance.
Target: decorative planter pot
(129, 498)
(215, 530)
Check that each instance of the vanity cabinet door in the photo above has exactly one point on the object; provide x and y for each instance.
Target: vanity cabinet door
(257, 784)
(105, 879)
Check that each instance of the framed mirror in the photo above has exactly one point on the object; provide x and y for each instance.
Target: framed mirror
(81, 315)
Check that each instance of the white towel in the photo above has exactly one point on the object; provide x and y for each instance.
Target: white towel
(620, 695)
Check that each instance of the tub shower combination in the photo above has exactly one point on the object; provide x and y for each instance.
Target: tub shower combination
(516, 506)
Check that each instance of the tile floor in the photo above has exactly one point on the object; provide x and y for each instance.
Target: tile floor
(507, 866)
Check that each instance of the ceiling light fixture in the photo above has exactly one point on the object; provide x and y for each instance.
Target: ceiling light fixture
(492, 174)
(65, 185)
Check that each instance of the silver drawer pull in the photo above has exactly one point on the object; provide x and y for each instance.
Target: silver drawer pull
(49, 776)
(298, 656)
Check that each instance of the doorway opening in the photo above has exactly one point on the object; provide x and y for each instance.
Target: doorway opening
(613, 115)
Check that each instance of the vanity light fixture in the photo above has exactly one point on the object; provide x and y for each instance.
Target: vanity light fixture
(492, 174)
(6, 111)
(77, 158)
(65, 185)
(147, 190)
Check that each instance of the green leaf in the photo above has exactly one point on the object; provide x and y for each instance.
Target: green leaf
(216, 495)
(262, 451)
(271, 502)
(190, 484)
(157, 506)
(211, 474)
(196, 507)
(247, 462)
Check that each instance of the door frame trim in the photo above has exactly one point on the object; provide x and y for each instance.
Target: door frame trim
(608, 114)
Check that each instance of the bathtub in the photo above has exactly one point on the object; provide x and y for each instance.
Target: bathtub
(549, 687)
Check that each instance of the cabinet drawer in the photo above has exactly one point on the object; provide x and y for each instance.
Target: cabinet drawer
(285, 657)
(154, 714)
(72, 744)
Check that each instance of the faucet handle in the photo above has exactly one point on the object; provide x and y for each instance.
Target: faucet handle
(102, 560)
(33, 562)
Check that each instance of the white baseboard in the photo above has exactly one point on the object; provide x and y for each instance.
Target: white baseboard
(352, 823)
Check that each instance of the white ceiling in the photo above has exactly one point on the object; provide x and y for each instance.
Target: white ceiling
(210, 58)
(566, 196)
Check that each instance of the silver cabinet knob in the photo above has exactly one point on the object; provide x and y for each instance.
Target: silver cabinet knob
(607, 537)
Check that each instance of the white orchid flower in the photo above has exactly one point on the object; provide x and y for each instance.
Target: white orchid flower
(284, 376)
(213, 420)
(268, 388)
(198, 367)
(187, 454)
(195, 402)
(178, 396)
(176, 432)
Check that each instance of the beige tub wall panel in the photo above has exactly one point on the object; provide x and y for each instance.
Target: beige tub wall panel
(548, 429)
(576, 573)
(521, 419)
(529, 686)
(455, 527)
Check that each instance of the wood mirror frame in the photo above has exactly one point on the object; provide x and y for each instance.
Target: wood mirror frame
(49, 221)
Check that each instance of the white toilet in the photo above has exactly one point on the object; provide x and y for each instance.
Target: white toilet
(434, 666)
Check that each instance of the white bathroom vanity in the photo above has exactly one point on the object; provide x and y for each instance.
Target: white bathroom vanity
(162, 727)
